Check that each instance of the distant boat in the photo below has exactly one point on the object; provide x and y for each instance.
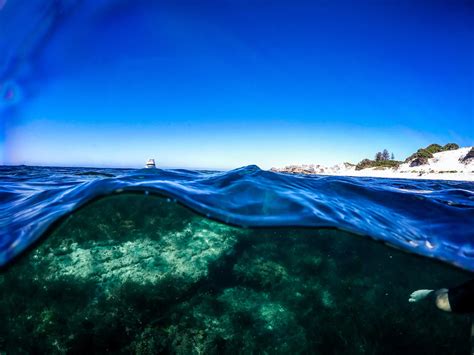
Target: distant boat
(150, 164)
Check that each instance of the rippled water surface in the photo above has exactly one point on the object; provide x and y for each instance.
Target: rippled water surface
(430, 218)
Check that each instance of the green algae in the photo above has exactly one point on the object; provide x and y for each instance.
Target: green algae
(141, 274)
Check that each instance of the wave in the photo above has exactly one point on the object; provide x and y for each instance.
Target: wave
(430, 218)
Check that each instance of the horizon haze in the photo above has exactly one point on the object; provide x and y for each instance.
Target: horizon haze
(219, 85)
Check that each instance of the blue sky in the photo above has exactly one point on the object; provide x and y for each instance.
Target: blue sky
(221, 84)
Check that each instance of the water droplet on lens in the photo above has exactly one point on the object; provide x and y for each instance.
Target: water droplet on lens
(9, 93)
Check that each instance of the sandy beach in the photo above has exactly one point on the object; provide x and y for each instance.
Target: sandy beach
(446, 165)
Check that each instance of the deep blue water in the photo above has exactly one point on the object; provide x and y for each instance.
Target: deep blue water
(430, 218)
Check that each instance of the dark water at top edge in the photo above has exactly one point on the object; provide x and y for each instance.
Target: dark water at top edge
(426, 217)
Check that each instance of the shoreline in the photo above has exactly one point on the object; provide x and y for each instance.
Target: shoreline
(451, 165)
(462, 177)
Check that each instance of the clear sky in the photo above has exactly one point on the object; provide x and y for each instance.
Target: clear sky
(222, 84)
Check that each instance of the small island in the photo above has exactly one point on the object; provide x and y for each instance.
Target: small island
(448, 162)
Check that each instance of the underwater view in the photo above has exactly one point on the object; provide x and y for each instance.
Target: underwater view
(246, 261)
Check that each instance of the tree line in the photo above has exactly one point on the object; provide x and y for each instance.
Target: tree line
(384, 155)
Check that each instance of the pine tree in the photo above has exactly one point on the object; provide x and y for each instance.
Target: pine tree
(385, 155)
(392, 157)
(378, 156)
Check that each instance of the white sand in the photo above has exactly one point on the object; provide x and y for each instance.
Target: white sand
(443, 166)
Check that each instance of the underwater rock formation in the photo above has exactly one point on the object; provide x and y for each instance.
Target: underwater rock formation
(180, 257)
(138, 274)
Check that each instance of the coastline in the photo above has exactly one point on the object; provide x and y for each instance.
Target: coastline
(391, 174)
(452, 165)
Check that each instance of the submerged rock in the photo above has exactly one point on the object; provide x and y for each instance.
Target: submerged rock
(238, 320)
(134, 274)
(181, 257)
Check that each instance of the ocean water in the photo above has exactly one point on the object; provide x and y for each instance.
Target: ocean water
(430, 218)
(246, 261)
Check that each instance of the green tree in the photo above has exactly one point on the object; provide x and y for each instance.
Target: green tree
(451, 146)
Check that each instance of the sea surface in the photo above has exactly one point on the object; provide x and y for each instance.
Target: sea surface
(430, 218)
(245, 261)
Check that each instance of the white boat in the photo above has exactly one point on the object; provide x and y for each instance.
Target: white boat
(150, 164)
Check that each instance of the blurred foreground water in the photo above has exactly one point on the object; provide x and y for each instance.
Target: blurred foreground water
(142, 274)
